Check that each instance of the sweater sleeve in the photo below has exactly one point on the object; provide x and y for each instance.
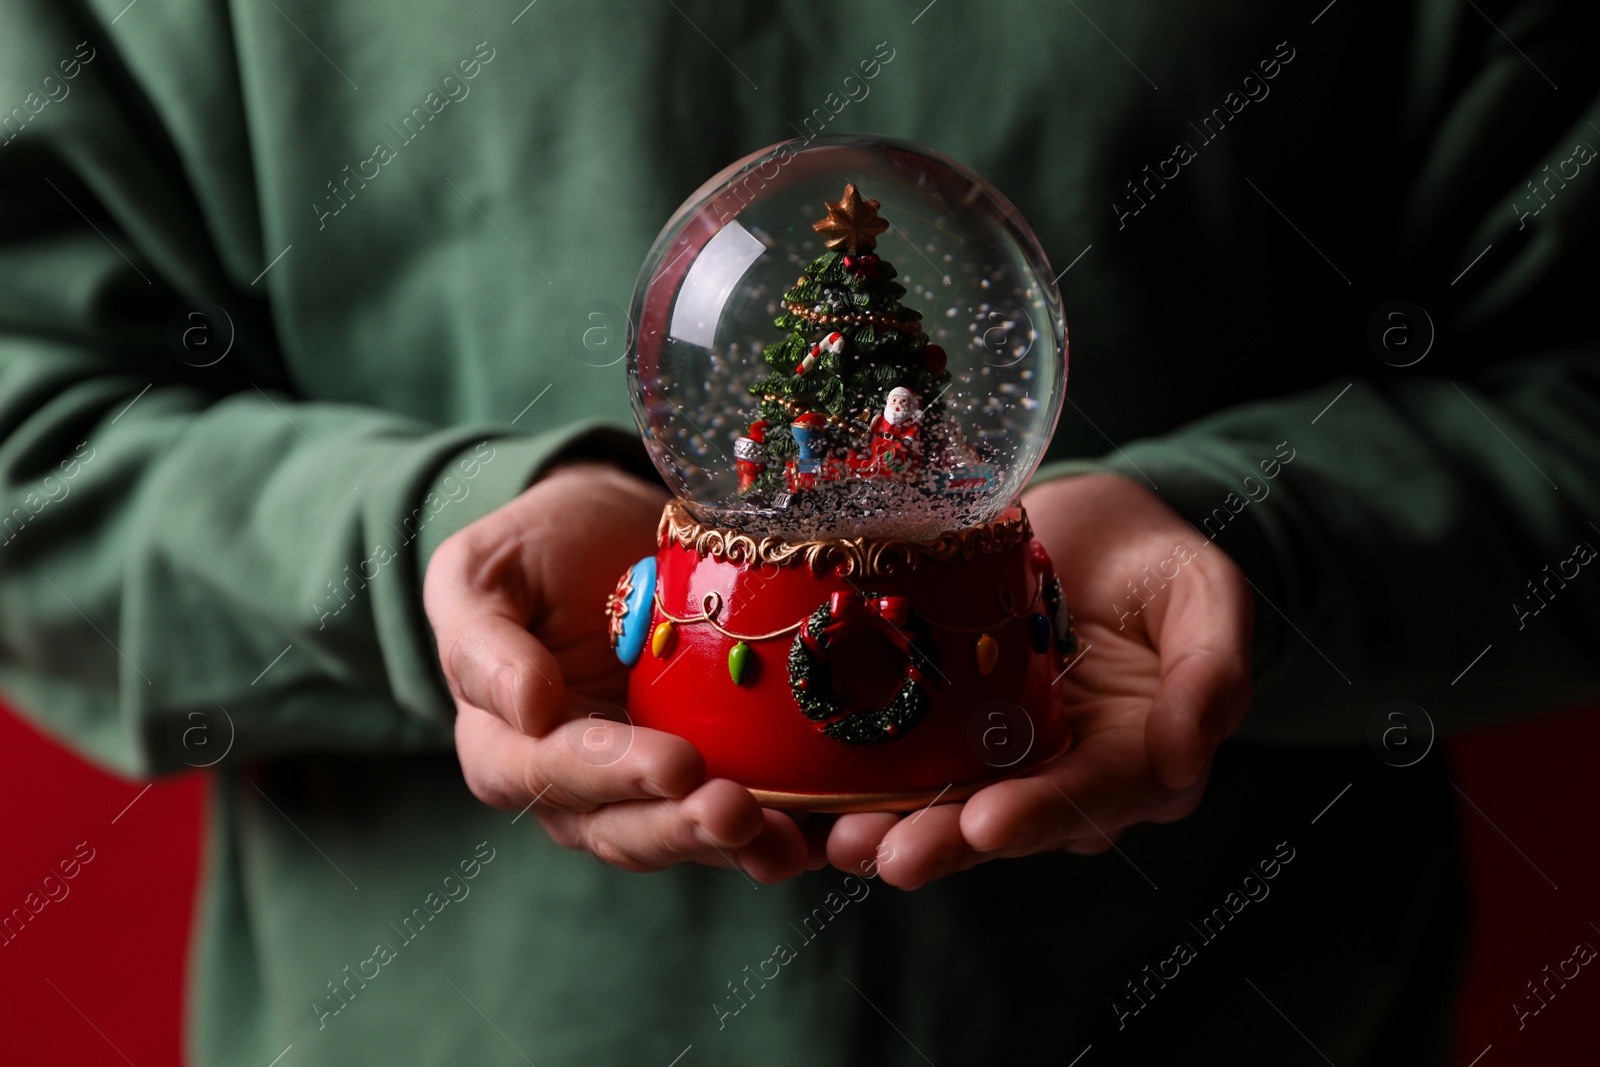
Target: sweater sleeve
(1430, 532)
(192, 552)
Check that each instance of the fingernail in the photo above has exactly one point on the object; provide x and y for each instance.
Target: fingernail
(499, 695)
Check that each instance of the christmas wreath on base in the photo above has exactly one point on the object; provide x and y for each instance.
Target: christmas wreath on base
(847, 617)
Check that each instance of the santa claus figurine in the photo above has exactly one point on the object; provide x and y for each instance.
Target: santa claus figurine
(895, 447)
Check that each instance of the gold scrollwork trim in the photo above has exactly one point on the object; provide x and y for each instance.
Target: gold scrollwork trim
(867, 557)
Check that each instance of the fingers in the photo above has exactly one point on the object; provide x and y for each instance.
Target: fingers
(924, 847)
(780, 851)
(1204, 643)
(855, 841)
(655, 833)
(568, 770)
(1097, 788)
(1079, 802)
(495, 664)
(718, 824)
(906, 851)
(1202, 697)
(479, 608)
(633, 797)
(909, 852)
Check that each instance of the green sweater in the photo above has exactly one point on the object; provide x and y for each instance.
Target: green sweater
(389, 218)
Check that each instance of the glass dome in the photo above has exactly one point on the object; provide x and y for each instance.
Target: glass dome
(846, 337)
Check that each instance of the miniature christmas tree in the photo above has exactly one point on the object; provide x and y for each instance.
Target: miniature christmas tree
(827, 404)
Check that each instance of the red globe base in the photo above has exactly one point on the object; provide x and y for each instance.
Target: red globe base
(960, 629)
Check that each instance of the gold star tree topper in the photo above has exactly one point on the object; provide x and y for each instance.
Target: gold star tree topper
(852, 223)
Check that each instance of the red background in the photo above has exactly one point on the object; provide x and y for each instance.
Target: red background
(116, 947)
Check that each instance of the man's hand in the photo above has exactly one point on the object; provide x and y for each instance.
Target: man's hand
(517, 606)
(1163, 677)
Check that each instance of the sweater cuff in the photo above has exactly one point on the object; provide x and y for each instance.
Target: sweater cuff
(476, 480)
(498, 468)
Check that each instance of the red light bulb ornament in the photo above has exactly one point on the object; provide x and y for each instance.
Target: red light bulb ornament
(849, 359)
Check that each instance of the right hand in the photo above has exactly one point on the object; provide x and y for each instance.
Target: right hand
(517, 605)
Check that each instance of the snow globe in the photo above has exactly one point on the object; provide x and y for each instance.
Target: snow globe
(848, 357)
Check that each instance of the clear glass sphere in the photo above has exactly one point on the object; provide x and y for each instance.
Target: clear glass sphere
(846, 337)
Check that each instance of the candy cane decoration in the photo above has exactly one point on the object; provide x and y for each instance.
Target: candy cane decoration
(832, 344)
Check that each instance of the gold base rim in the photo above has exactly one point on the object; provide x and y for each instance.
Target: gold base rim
(857, 803)
(853, 803)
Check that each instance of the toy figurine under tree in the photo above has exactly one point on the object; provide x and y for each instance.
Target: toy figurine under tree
(855, 387)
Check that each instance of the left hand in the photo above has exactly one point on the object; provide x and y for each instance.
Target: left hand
(1159, 683)
(514, 600)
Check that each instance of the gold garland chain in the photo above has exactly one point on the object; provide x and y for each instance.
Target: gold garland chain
(711, 606)
(800, 409)
(852, 319)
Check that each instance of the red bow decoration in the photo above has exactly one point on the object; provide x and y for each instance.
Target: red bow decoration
(850, 613)
(863, 266)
